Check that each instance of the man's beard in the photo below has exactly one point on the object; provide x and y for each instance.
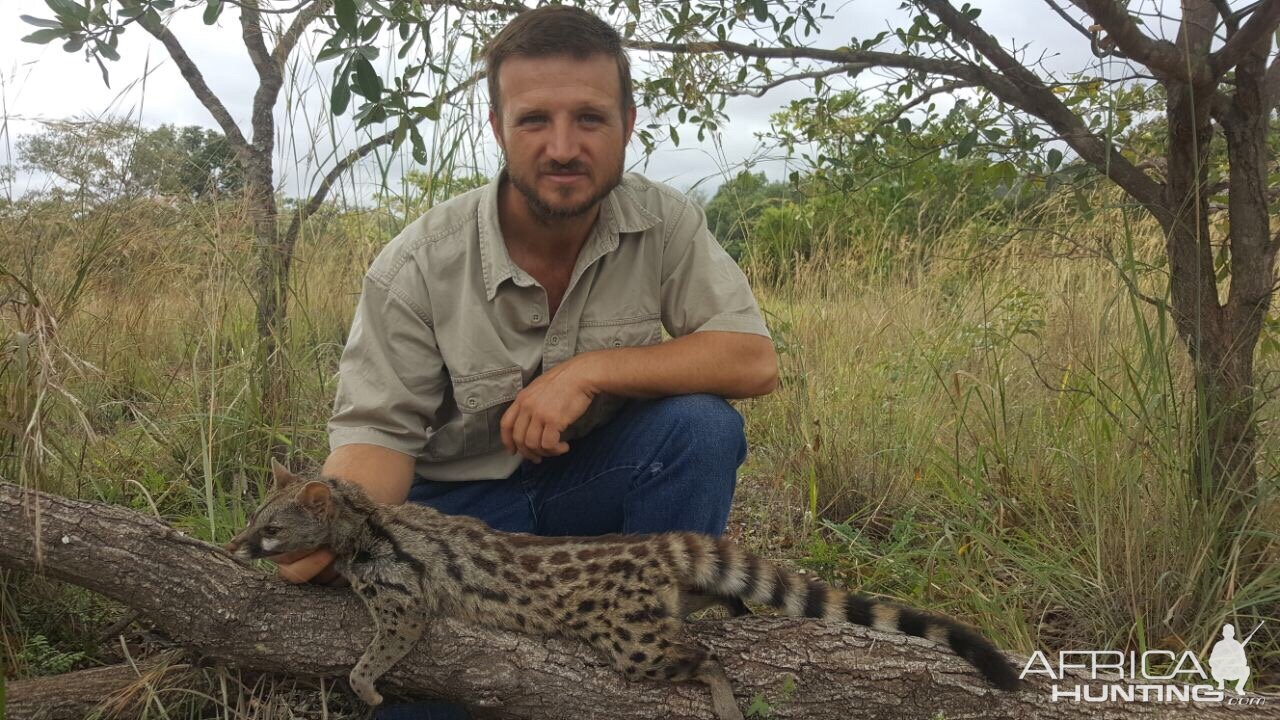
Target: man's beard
(547, 213)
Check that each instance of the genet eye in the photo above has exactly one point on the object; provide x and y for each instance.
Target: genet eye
(270, 530)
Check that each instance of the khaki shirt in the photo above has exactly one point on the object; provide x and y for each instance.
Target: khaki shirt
(448, 329)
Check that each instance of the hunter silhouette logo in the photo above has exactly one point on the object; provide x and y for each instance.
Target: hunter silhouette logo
(1150, 676)
(1227, 661)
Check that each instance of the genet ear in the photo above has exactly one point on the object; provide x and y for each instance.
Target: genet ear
(316, 499)
(281, 475)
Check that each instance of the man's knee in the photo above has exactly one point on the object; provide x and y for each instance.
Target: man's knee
(707, 422)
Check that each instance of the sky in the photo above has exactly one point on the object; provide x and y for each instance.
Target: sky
(40, 83)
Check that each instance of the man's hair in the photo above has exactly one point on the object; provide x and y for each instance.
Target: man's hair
(553, 30)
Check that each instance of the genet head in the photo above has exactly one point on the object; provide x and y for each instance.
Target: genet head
(295, 516)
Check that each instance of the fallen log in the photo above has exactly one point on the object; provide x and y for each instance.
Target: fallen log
(224, 611)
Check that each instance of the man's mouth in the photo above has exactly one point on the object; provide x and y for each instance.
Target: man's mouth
(564, 177)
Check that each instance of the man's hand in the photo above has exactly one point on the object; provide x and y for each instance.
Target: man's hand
(542, 411)
(302, 566)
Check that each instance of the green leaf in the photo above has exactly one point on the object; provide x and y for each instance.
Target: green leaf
(212, 11)
(675, 136)
(44, 37)
(70, 9)
(966, 144)
(367, 79)
(341, 96)
(761, 9)
(40, 22)
(1054, 159)
(346, 12)
(74, 43)
(330, 52)
(108, 50)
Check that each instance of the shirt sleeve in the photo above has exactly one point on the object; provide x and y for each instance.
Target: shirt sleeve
(391, 379)
(702, 287)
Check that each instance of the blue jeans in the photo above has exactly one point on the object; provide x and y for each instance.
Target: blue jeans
(660, 465)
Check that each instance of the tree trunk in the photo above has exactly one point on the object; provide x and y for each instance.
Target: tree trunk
(272, 282)
(200, 596)
(1228, 446)
(1221, 348)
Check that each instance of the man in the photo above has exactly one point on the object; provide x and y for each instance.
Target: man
(506, 359)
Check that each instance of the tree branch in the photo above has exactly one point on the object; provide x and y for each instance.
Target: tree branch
(251, 32)
(272, 76)
(944, 88)
(1034, 98)
(291, 36)
(1062, 13)
(197, 594)
(1229, 18)
(1196, 33)
(1257, 29)
(1161, 56)
(1271, 84)
(195, 80)
(1018, 87)
(811, 75)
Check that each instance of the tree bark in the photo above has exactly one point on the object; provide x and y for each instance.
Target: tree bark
(227, 612)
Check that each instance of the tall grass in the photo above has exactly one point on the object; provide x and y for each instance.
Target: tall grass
(1005, 434)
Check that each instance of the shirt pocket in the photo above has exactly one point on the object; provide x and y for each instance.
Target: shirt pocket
(482, 398)
(635, 331)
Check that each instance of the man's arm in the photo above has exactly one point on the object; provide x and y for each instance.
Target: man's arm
(385, 475)
(729, 364)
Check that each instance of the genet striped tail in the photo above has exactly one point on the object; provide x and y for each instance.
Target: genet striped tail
(723, 570)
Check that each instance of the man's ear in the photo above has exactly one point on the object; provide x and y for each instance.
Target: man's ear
(316, 499)
(495, 124)
(281, 475)
(630, 117)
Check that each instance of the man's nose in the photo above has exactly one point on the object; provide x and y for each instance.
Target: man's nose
(563, 147)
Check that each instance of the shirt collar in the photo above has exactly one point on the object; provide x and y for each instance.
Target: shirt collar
(620, 212)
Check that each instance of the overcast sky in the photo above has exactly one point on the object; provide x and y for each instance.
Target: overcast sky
(41, 83)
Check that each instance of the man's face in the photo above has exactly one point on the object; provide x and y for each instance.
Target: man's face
(563, 131)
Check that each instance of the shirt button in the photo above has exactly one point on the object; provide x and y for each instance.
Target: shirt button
(555, 339)
(617, 343)
(472, 402)
(537, 317)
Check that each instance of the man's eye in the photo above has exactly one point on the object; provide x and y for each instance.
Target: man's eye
(531, 119)
(592, 118)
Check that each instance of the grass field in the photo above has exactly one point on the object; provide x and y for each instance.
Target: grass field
(996, 429)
